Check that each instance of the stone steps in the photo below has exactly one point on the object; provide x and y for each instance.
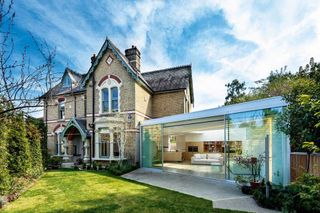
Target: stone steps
(67, 165)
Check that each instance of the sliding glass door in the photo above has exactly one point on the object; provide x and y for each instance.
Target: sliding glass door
(152, 146)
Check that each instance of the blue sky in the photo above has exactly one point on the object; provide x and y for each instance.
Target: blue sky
(222, 40)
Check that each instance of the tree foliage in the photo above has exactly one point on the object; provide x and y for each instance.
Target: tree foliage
(235, 92)
(299, 120)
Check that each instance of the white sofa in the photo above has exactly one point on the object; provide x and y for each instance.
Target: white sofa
(207, 159)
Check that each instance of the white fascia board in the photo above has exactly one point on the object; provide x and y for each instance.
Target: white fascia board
(266, 103)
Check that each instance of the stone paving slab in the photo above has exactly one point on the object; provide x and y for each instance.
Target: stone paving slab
(224, 194)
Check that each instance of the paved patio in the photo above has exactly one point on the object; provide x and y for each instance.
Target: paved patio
(225, 195)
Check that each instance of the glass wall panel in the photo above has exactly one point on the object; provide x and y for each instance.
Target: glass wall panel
(195, 147)
(152, 146)
(246, 141)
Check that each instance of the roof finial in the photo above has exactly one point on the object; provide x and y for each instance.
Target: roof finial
(93, 58)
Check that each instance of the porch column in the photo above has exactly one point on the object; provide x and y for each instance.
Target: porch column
(122, 143)
(111, 144)
(96, 144)
(59, 144)
(86, 151)
(65, 145)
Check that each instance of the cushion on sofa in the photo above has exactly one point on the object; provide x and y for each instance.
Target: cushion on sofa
(214, 156)
(197, 156)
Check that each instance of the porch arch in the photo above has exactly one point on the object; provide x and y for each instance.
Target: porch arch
(76, 126)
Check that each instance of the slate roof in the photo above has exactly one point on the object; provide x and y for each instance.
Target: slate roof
(170, 79)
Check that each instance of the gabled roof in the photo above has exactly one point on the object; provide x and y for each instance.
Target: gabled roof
(170, 79)
(59, 89)
(124, 61)
(164, 80)
(80, 125)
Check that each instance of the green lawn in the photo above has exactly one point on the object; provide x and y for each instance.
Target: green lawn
(81, 191)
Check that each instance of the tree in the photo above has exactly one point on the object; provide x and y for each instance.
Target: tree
(235, 92)
(299, 121)
(20, 83)
(310, 147)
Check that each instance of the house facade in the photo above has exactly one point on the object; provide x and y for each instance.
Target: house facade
(96, 116)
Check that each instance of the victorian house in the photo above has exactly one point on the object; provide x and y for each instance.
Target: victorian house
(96, 116)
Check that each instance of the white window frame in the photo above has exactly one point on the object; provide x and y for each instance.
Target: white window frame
(65, 82)
(64, 103)
(58, 140)
(109, 83)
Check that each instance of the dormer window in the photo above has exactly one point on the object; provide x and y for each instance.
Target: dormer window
(66, 81)
(109, 88)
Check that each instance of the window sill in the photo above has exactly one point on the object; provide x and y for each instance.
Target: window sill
(109, 159)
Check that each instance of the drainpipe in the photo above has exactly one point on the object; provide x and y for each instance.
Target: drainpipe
(93, 59)
(75, 106)
(93, 117)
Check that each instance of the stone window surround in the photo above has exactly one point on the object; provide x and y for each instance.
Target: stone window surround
(111, 156)
(109, 82)
(57, 132)
(61, 100)
(113, 126)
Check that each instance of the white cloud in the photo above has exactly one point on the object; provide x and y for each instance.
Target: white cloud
(286, 33)
(283, 32)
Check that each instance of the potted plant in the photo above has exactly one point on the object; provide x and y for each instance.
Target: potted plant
(243, 183)
(255, 172)
(253, 164)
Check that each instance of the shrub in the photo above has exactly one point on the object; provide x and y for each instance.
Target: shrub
(120, 168)
(18, 148)
(300, 196)
(303, 195)
(4, 172)
(42, 128)
(79, 161)
(55, 162)
(34, 137)
(276, 197)
(94, 165)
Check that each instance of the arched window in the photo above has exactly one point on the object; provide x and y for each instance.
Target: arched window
(61, 110)
(114, 99)
(109, 88)
(105, 100)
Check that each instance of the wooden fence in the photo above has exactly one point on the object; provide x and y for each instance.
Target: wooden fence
(298, 164)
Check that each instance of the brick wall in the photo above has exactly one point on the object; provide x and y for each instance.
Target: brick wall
(127, 90)
(166, 104)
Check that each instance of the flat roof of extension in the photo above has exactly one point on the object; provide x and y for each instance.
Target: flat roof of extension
(265, 103)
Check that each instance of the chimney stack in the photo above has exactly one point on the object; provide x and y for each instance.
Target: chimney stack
(133, 55)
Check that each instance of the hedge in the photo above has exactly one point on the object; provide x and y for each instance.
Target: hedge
(20, 152)
(18, 148)
(4, 172)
